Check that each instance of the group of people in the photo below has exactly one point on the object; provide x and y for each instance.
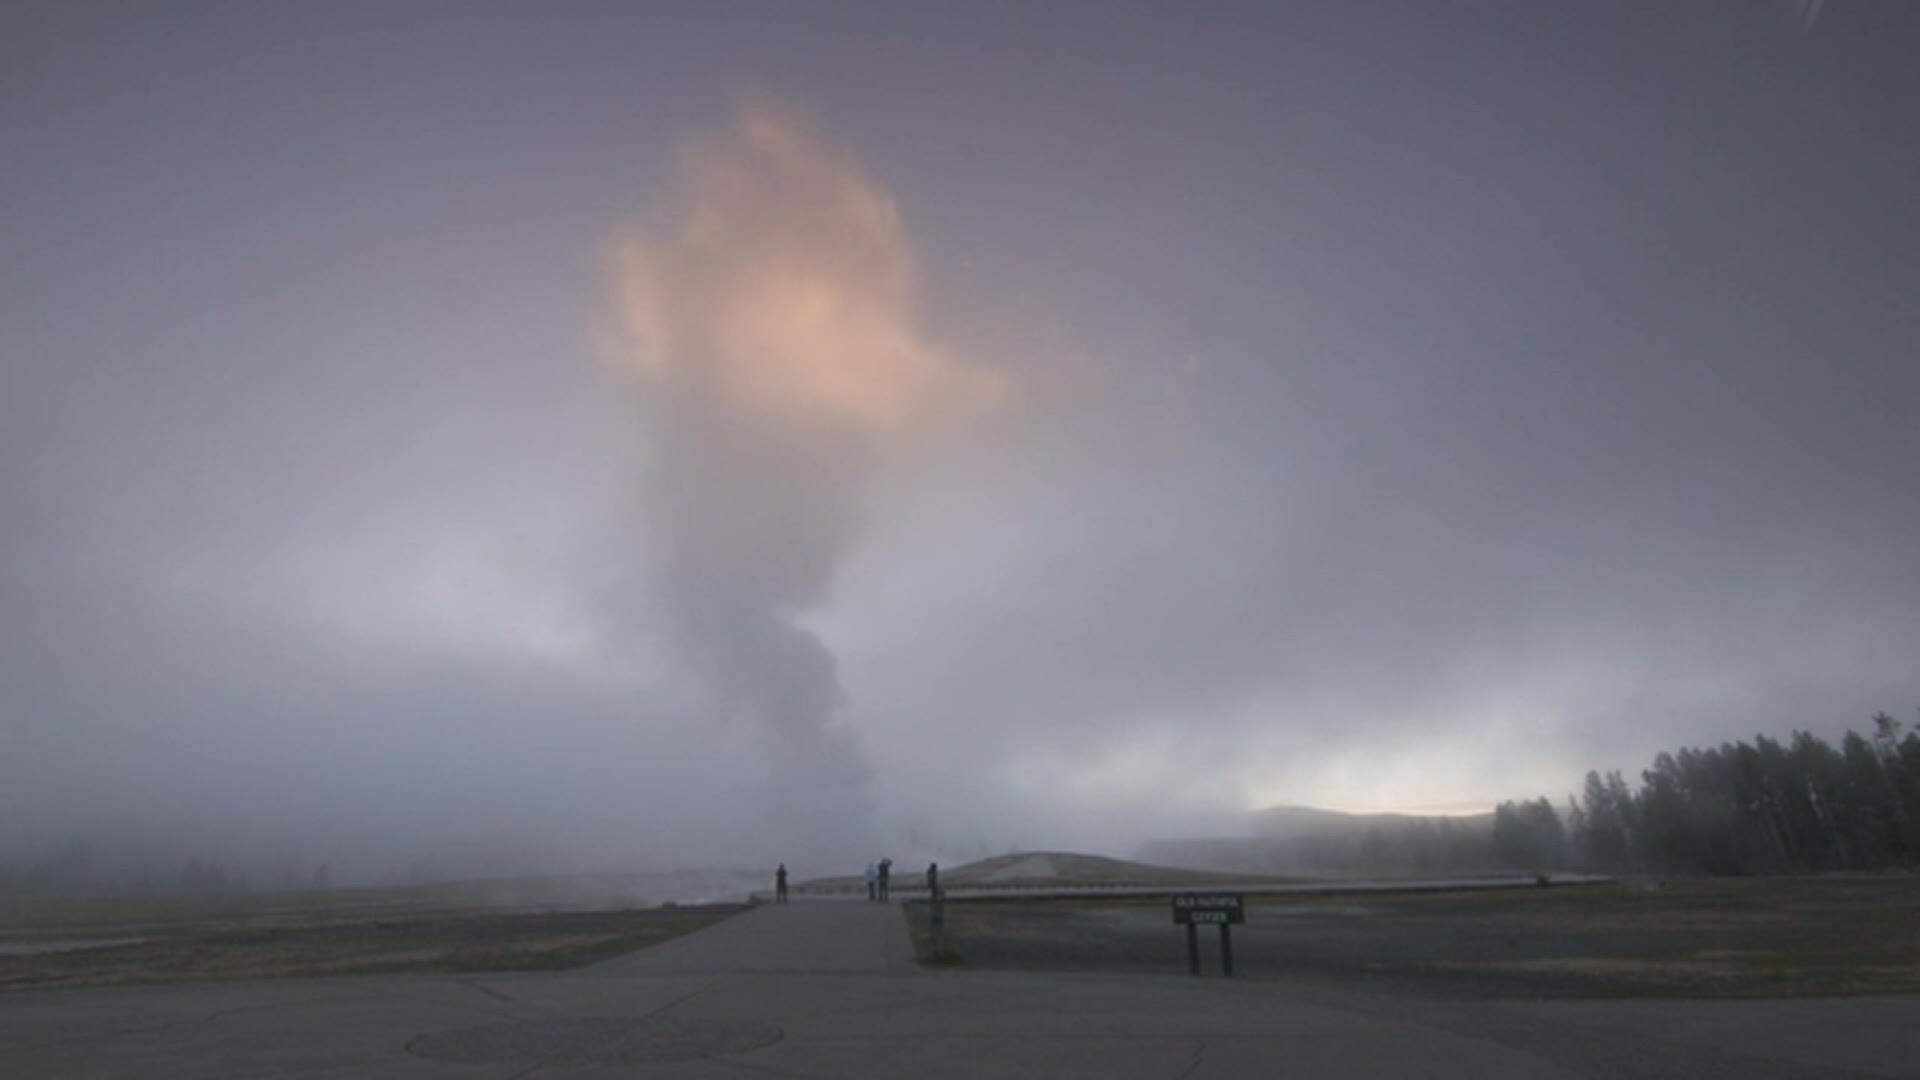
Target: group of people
(879, 881)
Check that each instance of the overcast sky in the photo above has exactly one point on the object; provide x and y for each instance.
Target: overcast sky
(578, 435)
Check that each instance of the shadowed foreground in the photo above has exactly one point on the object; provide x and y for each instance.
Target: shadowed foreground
(820, 989)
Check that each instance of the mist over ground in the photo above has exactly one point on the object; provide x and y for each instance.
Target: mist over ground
(469, 440)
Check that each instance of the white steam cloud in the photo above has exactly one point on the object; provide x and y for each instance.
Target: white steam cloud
(768, 315)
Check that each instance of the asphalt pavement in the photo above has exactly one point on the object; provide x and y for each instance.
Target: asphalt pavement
(829, 989)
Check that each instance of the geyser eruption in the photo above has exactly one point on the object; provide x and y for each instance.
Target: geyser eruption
(768, 314)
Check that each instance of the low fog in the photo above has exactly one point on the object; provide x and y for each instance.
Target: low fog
(471, 441)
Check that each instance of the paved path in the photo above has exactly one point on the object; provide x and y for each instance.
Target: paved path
(824, 990)
(824, 937)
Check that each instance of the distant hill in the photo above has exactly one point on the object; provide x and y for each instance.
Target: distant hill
(1300, 820)
(1069, 868)
(1032, 869)
(1308, 841)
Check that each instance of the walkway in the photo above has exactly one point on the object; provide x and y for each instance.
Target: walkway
(822, 937)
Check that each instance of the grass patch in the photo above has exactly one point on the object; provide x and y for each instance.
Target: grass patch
(407, 944)
(1750, 937)
(929, 950)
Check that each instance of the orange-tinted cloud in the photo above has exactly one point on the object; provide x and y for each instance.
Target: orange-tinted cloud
(779, 282)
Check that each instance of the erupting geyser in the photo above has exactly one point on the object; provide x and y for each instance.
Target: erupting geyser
(768, 315)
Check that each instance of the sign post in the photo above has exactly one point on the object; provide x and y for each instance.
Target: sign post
(1193, 910)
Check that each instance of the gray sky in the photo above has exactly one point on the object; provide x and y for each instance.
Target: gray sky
(1195, 407)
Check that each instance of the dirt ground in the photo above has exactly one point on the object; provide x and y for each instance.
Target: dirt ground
(173, 945)
(1712, 938)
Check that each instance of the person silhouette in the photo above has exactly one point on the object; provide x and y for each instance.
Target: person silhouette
(780, 884)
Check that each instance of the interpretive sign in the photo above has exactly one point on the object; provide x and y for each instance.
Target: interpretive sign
(1209, 909)
(1194, 910)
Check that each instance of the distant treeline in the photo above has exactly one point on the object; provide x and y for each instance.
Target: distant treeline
(77, 871)
(1760, 807)
(1302, 841)
(1763, 807)
(1390, 845)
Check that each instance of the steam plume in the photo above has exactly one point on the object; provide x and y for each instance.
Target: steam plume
(768, 312)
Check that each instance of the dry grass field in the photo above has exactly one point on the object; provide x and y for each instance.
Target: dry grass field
(491, 926)
(1701, 938)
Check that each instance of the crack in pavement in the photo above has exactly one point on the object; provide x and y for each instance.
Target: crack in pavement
(682, 999)
(762, 1070)
(501, 996)
(1199, 1051)
(161, 1029)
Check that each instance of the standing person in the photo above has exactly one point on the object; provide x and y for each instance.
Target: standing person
(780, 884)
(873, 882)
(886, 876)
(933, 881)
